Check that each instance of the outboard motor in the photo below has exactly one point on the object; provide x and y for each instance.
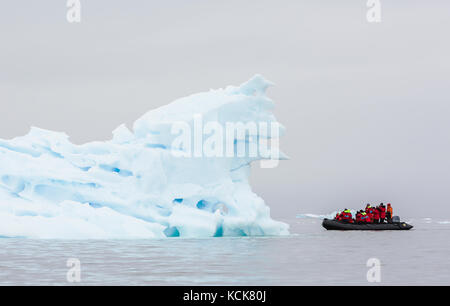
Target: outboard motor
(396, 219)
(402, 225)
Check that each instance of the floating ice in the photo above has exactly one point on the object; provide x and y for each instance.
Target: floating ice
(315, 216)
(133, 186)
(318, 216)
(444, 222)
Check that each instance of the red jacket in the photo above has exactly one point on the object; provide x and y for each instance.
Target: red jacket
(382, 212)
(365, 218)
(376, 214)
(346, 216)
(369, 211)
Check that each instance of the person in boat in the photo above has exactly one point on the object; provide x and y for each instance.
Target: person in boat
(365, 217)
(376, 215)
(389, 213)
(382, 210)
(362, 217)
(358, 218)
(370, 211)
(346, 216)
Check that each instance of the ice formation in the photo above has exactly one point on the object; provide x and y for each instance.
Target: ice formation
(133, 186)
(319, 216)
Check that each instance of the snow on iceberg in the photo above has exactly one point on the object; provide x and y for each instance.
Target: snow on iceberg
(133, 186)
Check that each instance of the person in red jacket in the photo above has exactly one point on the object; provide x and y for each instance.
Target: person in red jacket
(369, 211)
(358, 218)
(382, 210)
(346, 216)
(365, 218)
(376, 215)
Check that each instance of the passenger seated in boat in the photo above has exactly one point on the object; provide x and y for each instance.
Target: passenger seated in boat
(362, 217)
(370, 211)
(346, 216)
(365, 218)
(358, 217)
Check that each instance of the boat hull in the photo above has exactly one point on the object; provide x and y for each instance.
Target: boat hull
(342, 226)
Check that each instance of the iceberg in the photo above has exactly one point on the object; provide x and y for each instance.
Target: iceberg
(144, 182)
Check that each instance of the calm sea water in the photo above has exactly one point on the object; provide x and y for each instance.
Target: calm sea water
(310, 256)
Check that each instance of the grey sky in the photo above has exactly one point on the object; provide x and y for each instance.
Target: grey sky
(366, 106)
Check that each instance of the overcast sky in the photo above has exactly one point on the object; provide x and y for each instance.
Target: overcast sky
(366, 105)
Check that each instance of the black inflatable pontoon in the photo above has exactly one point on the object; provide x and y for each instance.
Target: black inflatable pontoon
(343, 226)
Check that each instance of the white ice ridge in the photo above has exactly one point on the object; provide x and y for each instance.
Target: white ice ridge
(132, 186)
(319, 216)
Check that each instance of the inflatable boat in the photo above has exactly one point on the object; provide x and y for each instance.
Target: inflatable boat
(344, 226)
